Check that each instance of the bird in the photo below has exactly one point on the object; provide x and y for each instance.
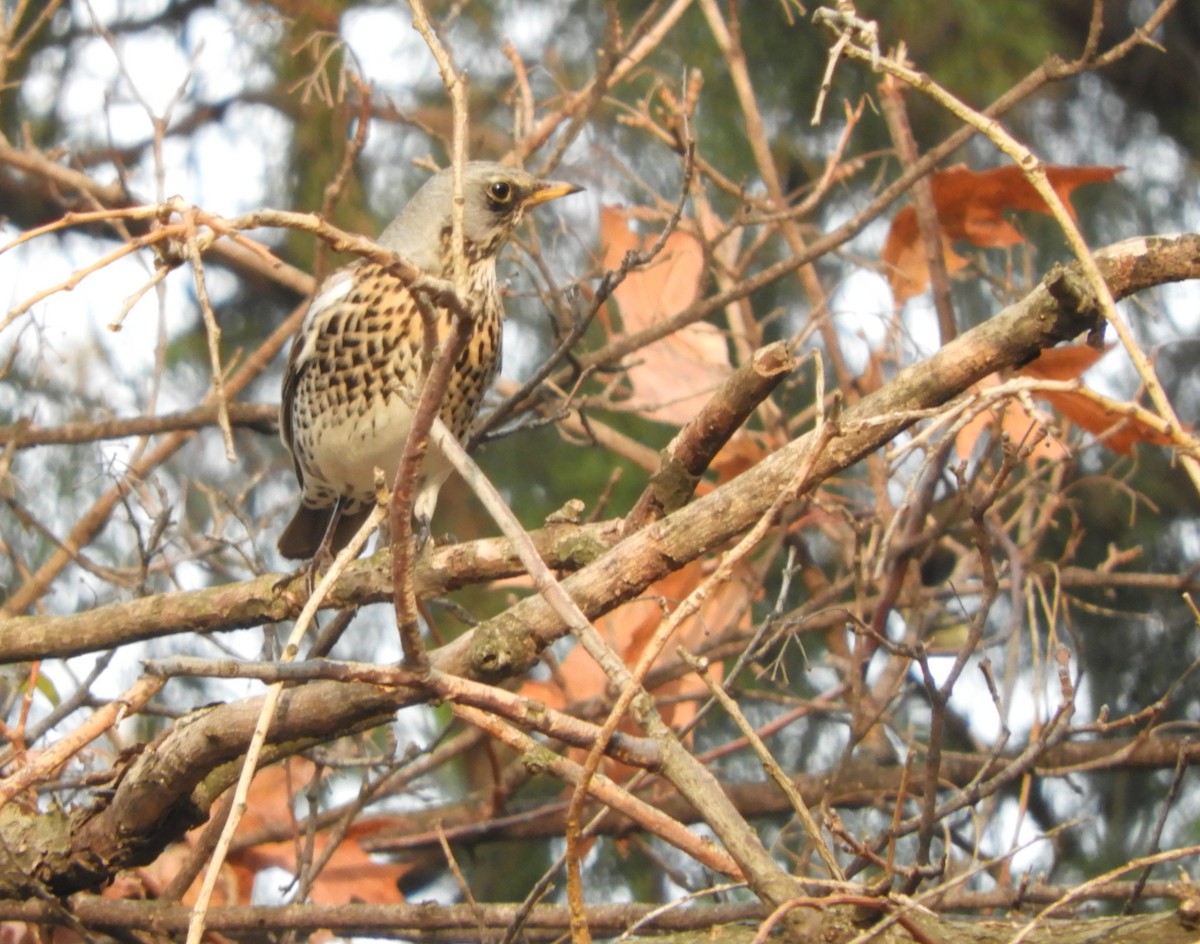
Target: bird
(354, 370)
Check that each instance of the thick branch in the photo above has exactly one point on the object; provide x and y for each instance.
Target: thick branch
(265, 600)
(719, 924)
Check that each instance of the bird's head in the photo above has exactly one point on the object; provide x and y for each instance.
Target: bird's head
(495, 200)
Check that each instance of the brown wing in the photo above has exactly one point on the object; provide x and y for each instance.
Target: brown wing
(330, 291)
(291, 379)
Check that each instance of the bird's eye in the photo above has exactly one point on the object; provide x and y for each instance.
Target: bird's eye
(500, 191)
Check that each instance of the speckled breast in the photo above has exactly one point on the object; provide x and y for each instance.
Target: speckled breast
(354, 402)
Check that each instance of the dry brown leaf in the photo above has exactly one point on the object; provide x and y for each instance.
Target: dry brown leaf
(350, 874)
(627, 630)
(20, 932)
(1069, 363)
(742, 452)
(1016, 422)
(1094, 417)
(971, 207)
(671, 378)
(1062, 363)
(1065, 364)
(904, 256)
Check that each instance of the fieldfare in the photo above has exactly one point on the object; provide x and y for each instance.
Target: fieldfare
(354, 373)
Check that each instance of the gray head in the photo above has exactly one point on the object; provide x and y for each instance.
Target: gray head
(496, 198)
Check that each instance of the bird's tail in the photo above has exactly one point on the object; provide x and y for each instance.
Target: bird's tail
(302, 538)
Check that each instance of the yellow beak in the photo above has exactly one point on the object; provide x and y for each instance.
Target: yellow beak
(546, 190)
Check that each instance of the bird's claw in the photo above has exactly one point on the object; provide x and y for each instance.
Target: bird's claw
(311, 572)
(321, 562)
(422, 532)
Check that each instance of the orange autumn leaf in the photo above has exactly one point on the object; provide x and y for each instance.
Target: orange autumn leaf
(743, 451)
(671, 378)
(1062, 363)
(970, 207)
(349, 874)
(1016, 422)
(1116, 430)
(628, 629)
(904, 257)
